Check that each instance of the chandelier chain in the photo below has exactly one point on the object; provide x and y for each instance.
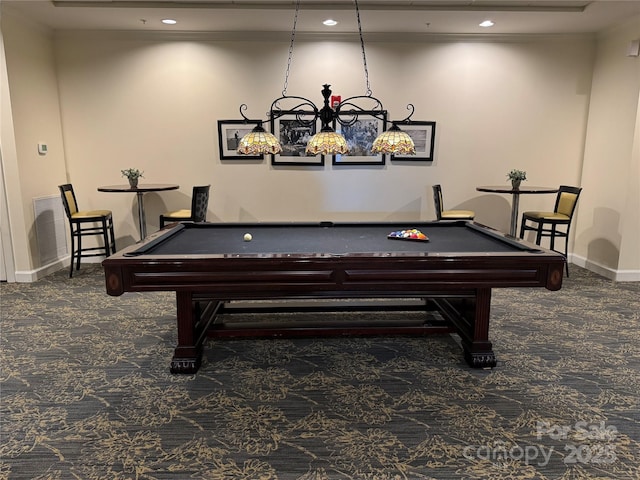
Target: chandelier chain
(293, 37)
(364, 55)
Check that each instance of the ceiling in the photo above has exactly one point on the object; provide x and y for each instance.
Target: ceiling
(383, 16)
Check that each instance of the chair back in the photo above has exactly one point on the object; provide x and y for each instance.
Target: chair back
(68, 199)
(567, 200)
(437, 200)
(200, 203)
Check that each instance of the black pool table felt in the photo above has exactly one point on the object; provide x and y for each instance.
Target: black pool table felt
(330, 240)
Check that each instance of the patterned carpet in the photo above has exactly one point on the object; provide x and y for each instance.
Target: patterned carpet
(87, 393)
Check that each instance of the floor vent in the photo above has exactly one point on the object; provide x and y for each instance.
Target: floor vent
(50, 228)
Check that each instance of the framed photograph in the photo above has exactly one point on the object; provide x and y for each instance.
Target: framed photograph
(360, 137)
(423, 135)
(230, 132)
(294, 132)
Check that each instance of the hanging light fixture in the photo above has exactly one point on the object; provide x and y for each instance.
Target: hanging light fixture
(395, 141)
(258, 140)
(345, 113)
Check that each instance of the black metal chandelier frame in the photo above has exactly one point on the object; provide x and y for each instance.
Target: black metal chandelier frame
(346, 112)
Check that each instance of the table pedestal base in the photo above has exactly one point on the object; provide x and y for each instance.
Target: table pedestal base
(142, 221)
(515, 206)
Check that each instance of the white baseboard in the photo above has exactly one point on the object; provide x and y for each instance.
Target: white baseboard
(35, 275)
(607, 272)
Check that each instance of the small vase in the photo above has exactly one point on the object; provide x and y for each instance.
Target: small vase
(515, 184)
(133, 182)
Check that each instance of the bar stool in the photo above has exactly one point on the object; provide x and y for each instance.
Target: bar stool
(545, 223)
(85, 224)
(449, 214)
(198, 212)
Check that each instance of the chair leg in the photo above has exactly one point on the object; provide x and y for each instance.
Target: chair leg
(566, 250)
(73, 252)
(106, 231)
(105, 238)
(539, 234)
(113, 237)
(79, 253)
(553, 238)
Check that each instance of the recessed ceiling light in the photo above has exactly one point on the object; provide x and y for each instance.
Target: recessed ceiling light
(169, 21)
(487, 23)
(330, 22)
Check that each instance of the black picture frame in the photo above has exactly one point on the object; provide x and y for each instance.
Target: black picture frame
(229, 134)
(423, 134)
(294, 129)
(360, 136)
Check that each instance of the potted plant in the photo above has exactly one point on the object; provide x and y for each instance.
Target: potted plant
(516, 177)
(133, 174)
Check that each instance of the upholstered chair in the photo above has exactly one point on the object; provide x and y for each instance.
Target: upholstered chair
(86, 223)
(442, 214)
(555, 224)
(198, 211)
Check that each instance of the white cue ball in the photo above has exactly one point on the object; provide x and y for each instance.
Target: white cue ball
(247, 237)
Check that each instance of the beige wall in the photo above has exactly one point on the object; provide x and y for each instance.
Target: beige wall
(153, 102)
(496, 106)
(30, 114)
(607, 233)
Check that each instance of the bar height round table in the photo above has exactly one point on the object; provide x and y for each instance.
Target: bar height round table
(140, 190)
(515, 202)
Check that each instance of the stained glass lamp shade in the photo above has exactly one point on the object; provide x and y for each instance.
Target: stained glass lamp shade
(327, 143)
(395, 141)
(259, 141)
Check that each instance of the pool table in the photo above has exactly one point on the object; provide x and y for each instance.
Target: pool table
(211, 267)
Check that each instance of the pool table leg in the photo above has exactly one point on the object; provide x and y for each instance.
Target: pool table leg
(470, 316)
(479, 352)
(187, 355)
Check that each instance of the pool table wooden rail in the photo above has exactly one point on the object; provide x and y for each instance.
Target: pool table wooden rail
(345, 276)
